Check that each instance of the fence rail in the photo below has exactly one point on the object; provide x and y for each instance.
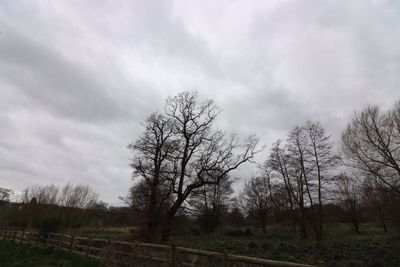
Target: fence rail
(129, 254)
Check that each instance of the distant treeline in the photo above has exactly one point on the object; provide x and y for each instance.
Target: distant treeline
(50, 208)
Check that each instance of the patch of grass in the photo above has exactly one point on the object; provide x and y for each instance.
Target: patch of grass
(24, 255)
(110, 234)
(340, 247)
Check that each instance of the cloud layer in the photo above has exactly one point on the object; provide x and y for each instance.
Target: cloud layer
(78, 77)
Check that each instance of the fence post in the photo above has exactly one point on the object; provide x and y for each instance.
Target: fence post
(22, 236)
(30, 237)
(47, 237)
(17, 236)
(226, 260)
(109, 247)
(88, 247)
(71, 242)
(134, 252)
(173, 255)
(61, 241)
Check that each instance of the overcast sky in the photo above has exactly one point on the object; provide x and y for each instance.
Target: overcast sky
(78, 77)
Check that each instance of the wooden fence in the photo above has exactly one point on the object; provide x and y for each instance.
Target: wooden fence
(135, 254)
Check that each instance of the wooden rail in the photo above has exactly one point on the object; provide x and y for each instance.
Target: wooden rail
(120, 253)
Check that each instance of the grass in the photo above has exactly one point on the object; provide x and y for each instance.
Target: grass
(340, 247)
(24, 255)
(110, 234)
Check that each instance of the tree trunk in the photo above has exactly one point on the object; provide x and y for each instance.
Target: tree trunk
(318, 233)
(354, 219)
(382, 220)
(167, 226)
(303, 230)
(169, 219)
(356, 226)
(264, 228)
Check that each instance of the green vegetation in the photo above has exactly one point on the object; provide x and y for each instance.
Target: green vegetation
(340, 247)
(117, 235)
(23, 255)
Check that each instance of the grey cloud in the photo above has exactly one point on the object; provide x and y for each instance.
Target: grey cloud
(77, 77)
(53, 82)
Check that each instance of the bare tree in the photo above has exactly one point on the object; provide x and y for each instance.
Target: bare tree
(155, 152)
(45, 195)
(348, 196)
(281, 168)
(323, 160)
(74, 196)
(291, 164)
(255, 200)
(371, 143)
(374, 195)
(5, 194)
(138, 197)
(201, 154)
(281, 203)
(303, 164)
(78, 196)
(210, 202)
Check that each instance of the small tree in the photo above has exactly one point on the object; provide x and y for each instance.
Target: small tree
(211, 202)
(374, 195)
(5, 194)
(43, 195)
(255, 200)
(348, 196)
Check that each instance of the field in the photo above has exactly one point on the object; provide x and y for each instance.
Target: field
(341, 247)
(23, 255)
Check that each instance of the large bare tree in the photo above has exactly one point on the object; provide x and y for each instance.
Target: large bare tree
(201, 154)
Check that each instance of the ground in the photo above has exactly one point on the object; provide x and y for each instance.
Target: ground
(340, 247)
(24, 255)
